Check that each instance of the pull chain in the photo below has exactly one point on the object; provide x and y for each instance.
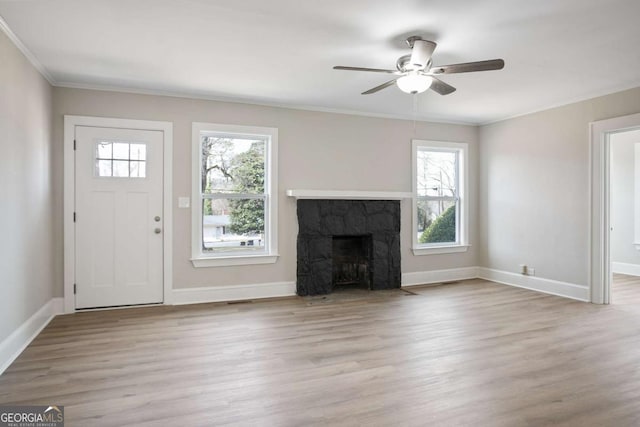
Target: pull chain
(415, 112)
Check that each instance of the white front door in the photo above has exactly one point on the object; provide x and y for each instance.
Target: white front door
(118, 216)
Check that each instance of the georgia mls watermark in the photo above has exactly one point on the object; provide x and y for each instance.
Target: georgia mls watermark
(32, 416)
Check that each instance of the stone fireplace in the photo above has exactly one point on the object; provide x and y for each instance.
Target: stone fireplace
(348, 243)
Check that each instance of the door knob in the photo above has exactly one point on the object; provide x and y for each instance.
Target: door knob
(156, 219)
(157, 231)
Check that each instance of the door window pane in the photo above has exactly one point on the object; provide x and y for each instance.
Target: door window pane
(121, 150)
(103, 167)
(138, 152)
(137, 169)
(104, 150)
(121, 168)
(121, 159)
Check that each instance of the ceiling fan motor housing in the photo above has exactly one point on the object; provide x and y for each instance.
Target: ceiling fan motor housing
(403, 64)
(421, 51)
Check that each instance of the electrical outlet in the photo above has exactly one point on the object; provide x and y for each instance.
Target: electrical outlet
(523, 269)
(531, 271)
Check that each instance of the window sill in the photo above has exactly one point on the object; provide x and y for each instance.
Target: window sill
(434, 250)
(226, 261)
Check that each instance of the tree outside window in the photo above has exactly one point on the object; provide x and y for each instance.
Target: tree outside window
(437, 195)
(439, 205)
(233, 193)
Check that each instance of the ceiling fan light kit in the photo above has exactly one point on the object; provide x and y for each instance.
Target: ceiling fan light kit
(416, 74)
(414, 83)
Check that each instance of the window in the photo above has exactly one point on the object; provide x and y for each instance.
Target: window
(440, 208)
(234, 195)
(121, 159)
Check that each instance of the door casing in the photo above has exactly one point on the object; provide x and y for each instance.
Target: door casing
(600, 224)
(70, 123)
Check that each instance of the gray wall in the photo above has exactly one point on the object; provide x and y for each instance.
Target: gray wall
(529, 180)
(534, 188)
(317, 150)
(26, 265)
(622, 197)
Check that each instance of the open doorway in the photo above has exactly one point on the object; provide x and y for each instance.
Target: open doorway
(613, 196)
(624, 208)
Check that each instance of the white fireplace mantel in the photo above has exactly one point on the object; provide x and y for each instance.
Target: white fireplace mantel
(349, 194)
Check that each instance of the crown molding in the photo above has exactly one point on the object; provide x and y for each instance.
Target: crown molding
(249, 101)
(26, 52)
(575, 100)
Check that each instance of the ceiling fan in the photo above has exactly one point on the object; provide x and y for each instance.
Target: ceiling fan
(416, 73)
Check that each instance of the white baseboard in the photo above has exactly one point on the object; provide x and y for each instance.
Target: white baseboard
(284, 289)
(547, 286)
(14, 344)
(438, 276)
(624, 268)
(233, 293)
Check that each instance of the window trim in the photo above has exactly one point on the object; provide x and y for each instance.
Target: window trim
(270, 254)
(462, 148)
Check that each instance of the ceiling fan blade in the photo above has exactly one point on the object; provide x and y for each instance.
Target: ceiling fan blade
(491, 64)
(441, 87)
(378, 88)
(421, 53)
(374, 70)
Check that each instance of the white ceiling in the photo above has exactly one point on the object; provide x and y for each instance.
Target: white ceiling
(281, 52)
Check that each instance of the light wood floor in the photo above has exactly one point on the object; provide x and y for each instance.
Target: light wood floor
(473, 353)
(625, 289)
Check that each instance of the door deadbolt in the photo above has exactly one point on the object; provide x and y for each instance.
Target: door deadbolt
(156, 219)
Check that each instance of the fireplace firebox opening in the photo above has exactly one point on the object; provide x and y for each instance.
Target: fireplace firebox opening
(351, 257)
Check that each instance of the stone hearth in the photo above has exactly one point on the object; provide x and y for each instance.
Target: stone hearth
(319, 221)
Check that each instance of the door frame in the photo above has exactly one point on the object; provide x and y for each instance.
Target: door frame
(600, 226)
(70, 123)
